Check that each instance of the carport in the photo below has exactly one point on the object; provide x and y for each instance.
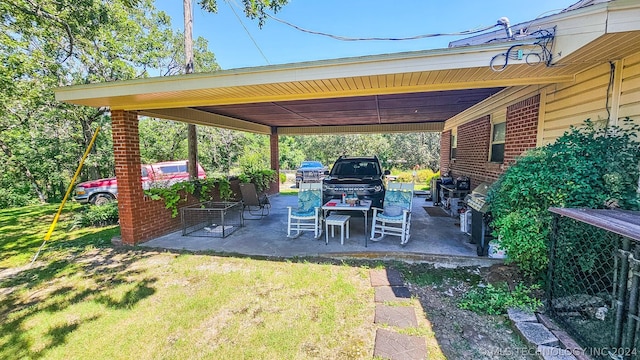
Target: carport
(402, 92)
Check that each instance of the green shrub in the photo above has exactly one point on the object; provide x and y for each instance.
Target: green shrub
(15, 197)
(495, 300)
(591, 167)
(283, 178)
(405, 176)
(202, 188)
(261, 178)
(94, 215)
(253, 161)
(423, 176)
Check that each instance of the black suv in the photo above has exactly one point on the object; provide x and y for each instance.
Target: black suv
(362, 175)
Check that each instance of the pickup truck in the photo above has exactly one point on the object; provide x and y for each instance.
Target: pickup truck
(101, 191)
(310, 171)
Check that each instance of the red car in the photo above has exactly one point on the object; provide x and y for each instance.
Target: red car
(167, 173)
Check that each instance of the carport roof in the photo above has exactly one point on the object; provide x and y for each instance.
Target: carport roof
(412, 91)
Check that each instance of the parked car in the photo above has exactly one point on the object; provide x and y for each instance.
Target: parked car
(310, 171)
(167, 173)
(362, 175)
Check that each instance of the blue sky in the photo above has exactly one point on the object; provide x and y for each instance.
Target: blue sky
(280, 44)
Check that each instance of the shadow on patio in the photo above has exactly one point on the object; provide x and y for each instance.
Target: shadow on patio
(433, 239)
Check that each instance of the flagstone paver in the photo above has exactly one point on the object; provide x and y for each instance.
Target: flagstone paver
(394, 346)
(389, 344)
(392, 293)
(398, 316)
(385, 277)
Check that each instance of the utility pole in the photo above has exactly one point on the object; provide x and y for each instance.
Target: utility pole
(192, 137)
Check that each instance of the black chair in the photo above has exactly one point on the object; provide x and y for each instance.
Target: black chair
(257, 206)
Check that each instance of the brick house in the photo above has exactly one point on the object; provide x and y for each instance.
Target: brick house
(491, 97)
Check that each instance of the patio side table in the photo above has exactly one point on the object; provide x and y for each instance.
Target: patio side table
(333, 221)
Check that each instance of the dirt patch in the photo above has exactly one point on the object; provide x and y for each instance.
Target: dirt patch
(463, 334)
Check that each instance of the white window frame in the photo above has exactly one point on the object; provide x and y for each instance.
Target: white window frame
(453, 146)
(499, 117)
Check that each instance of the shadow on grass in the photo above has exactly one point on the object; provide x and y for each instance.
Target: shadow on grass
(48, 291)
(23, 231)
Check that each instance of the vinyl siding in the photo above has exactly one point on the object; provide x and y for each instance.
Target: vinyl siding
(630, 89)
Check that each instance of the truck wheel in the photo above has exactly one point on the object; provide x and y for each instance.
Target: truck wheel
(102, 199)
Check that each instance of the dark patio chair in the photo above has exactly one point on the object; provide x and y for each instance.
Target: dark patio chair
(257, 206)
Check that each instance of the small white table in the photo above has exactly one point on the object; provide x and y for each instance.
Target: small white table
(333, 221)
(336, 205)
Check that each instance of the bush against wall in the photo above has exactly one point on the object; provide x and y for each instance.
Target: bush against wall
(590, 167)
(262, 178)
(203, 189)
(97, 215)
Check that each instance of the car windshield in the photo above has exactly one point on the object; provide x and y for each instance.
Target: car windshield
(355, 168)
(311, 164)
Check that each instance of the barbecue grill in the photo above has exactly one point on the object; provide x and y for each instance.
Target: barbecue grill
(480, 218)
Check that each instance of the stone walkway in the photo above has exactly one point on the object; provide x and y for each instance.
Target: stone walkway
(394, 312)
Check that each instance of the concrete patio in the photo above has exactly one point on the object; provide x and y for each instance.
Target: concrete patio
(436, 240)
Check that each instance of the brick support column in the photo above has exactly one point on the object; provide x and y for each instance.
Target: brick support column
(275, 160)
(445, 150)
(126, 150)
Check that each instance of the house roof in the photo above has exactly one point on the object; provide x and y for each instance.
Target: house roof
(411, 91)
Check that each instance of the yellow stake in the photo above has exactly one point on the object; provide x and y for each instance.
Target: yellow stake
(64, 200)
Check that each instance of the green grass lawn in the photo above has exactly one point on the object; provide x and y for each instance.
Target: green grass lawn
(86, 300)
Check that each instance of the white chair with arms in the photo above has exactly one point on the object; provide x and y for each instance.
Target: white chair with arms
(307, 217)
(395, 217)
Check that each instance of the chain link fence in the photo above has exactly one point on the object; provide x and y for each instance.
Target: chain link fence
(594, 278)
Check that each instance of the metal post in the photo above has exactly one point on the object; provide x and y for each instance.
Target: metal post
(629, 339)
(552, 258)
(622, 293)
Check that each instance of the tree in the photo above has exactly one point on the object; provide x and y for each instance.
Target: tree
(401, 151)
(55, 43)
(253, 9)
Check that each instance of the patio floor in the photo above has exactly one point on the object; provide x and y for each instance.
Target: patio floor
(433, 239)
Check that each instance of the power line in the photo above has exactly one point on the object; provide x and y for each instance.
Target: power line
(345, 38)
(248, 33)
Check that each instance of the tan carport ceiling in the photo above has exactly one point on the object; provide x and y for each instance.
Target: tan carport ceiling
(435, 106)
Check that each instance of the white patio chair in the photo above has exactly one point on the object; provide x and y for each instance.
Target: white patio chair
(307, 217)
(395, 217)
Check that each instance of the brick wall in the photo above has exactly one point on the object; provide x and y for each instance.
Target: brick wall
(522, 128)
(141, 218)
(473, 152)
(474, 142)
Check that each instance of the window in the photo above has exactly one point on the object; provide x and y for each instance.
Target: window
(454, 144)
(172, 169)
(498, 133)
